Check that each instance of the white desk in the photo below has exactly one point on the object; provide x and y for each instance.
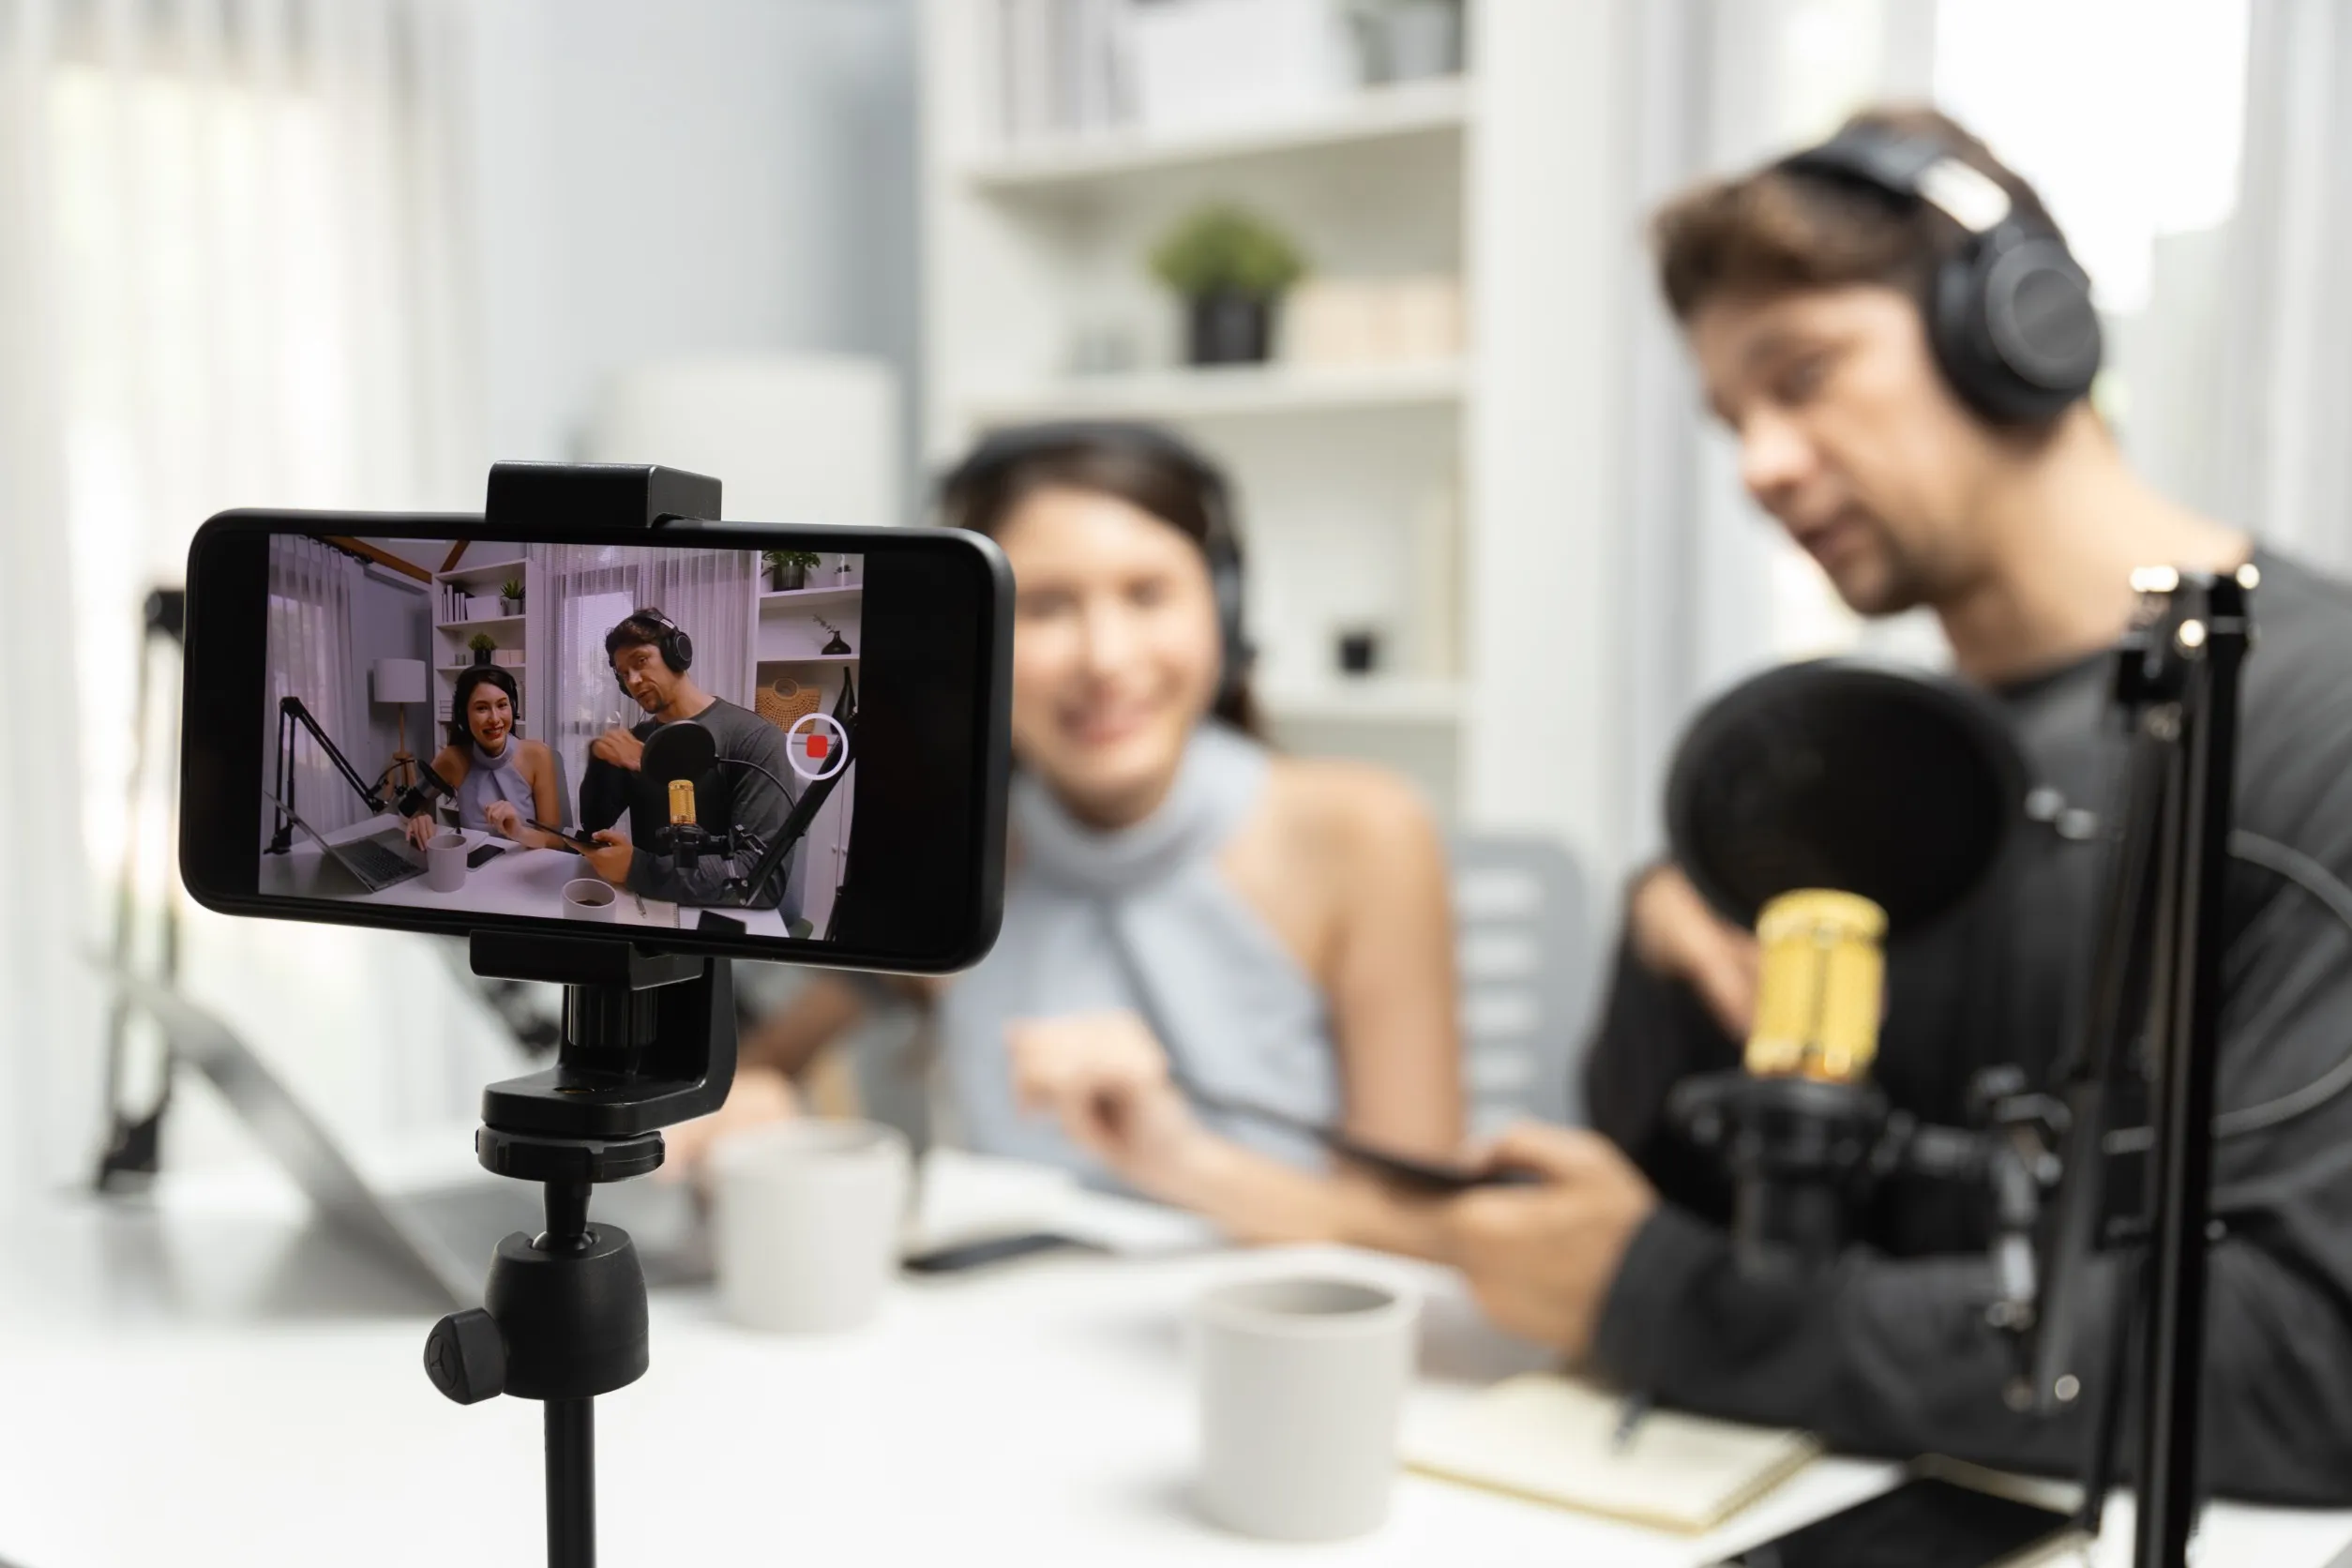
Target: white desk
(518, 882)
(1035, 1414)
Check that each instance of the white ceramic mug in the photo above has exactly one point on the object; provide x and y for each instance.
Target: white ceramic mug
(444, 862)
(591, 898)
(804, 1222)
(1302, 1384)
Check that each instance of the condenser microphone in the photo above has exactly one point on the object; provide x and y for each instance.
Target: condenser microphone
(1829, 805)
(685, 844)
(675, 756)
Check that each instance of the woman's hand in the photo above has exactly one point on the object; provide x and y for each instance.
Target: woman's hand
(1677, 935)
(1104, 1079)
(760, 1096)
(504, 820)
(421, 828)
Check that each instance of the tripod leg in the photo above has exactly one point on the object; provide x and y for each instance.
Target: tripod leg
(571, 1483)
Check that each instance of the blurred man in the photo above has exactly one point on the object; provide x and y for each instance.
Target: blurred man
(1802, 294)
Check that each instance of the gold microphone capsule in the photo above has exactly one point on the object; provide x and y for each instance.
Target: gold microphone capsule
(1822, 987)
(681, 801)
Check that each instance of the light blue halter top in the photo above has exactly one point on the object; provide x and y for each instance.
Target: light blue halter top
(1090, 916)
(488, 779)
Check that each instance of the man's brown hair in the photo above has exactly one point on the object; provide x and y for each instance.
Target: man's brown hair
(1770, 231)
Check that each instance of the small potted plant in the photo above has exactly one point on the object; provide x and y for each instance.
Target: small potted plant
(1229, 268)
(483, 646)
(789, 569)
(510, 596)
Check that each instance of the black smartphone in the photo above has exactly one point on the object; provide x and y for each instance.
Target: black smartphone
(959, 1257)
(823, 753)
(483, 855)
(1929, 1521)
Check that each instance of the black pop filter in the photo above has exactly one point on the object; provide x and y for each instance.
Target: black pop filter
(1901, 787)
(681, 751)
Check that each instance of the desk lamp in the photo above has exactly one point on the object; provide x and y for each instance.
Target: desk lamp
(399, 682)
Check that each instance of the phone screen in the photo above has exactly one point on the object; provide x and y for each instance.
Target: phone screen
(373, 701)
(1928, 1522)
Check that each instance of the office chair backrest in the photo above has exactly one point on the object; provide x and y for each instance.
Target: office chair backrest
(1523, 945)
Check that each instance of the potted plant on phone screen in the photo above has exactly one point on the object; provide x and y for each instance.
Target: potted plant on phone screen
(510, 596)
(789, 569)
(483, 646)
(1230, 268)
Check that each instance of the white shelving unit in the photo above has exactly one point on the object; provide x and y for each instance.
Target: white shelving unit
(1466, 509)
(452, 638)
(1418, 109)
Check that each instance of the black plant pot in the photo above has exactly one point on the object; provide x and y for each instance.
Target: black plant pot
(1229, 328)
(482, 656)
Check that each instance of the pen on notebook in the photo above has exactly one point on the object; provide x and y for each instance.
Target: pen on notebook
(1628, 1420)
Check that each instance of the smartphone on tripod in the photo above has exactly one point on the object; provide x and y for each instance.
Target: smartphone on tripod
(858, 821)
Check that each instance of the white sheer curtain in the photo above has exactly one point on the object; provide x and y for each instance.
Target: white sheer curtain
(232, 273)
(2282, 416)
(708, 593)
(310, 657)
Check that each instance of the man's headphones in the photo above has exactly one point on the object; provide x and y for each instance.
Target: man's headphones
(2009, 313)
(1000, 452)
(675, 646)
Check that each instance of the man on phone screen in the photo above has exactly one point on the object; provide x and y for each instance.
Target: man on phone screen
(650, 659)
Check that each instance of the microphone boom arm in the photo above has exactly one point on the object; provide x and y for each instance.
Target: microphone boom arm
(291, 709)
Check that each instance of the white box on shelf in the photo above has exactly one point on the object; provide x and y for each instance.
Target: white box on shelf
(481, 606)
(1219, 63)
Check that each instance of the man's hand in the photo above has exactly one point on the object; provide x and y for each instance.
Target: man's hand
(1540, 1260)
(1677, 935)
(612, 861)
(421, 828)
(504, 820)
(1104, 1079)
(619, 748)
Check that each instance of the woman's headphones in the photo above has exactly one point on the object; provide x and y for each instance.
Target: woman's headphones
(671, 642)
(2009, 313)
(1000, 452)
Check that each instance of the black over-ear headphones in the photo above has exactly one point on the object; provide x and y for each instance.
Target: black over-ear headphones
(2009, 313)
(1221, 543)
(675, 646)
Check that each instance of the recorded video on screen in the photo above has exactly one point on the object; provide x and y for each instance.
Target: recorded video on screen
(637, 735)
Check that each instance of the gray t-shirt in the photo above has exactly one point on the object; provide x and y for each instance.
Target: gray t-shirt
(1889, 1351)
(730, 794)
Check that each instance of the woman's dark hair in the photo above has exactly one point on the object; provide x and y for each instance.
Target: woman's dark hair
(1139, 464)
(470, 677)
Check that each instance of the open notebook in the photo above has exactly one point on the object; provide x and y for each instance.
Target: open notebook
(1551, 1438)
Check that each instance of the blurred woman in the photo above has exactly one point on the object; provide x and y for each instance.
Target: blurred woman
(1190, 921)
(502, 779)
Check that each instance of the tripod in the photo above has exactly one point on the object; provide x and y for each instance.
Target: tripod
(648, 1041)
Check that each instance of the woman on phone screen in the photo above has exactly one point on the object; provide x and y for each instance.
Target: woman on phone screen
(500, 779)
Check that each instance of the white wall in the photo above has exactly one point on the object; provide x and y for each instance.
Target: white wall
(697, 175)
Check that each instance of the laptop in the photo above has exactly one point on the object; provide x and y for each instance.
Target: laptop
(375, 863)
(441, 1239)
